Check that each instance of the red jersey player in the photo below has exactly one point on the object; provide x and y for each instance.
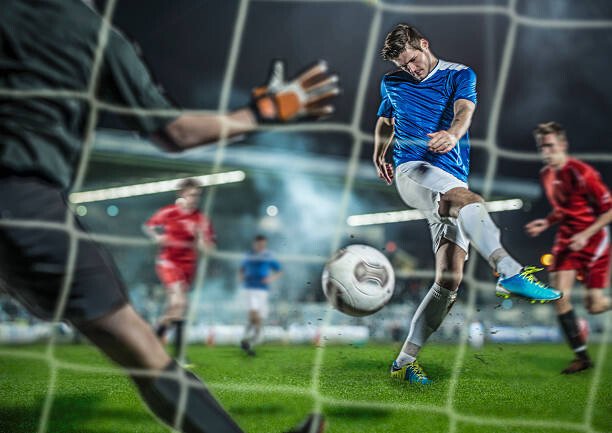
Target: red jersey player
(180, 230)
(583, 209)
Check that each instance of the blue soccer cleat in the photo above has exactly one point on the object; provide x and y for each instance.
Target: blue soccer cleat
(526, 285)
(412, 373)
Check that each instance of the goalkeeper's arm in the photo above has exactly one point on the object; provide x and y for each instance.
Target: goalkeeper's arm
(191, 130)
(278, 101)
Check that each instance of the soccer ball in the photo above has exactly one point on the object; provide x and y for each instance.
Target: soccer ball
(358, 280)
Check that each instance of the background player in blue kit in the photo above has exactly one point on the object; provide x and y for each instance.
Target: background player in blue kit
(426, 110)
(258, 270)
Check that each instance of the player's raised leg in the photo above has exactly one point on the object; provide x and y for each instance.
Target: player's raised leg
(450, 259)
(471, 214)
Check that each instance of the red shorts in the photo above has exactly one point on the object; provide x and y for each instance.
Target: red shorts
(592, 262)
(170, 273)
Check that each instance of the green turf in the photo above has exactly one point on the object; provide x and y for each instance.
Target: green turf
(499, 389)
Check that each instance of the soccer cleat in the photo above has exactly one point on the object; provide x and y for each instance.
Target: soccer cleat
(411, 372)
(246, 346)
(578, 365)
(315, 423)
(186, 363)
(526, 285)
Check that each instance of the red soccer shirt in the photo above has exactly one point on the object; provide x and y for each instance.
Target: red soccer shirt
(577, 195)
(182, 229)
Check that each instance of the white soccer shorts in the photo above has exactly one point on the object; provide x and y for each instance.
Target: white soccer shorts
(420, 186)
(256, 300)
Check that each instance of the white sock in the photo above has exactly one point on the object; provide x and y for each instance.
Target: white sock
(427, 318)
(403, 358)
(484, 235)
(508, 267)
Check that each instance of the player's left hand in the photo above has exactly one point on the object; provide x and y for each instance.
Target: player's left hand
(305, 96)
(384, 170)
(578, 241)
(441, 142)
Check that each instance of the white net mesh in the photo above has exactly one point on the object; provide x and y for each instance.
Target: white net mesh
(359, 138)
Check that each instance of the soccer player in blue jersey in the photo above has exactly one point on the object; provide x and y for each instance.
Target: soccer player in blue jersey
(257, 271)
(426, 111)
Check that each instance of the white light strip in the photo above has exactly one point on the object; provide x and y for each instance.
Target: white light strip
(414, 215)
(154, 187)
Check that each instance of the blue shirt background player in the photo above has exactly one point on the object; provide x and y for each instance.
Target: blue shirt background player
(422, 107)
(259, 267)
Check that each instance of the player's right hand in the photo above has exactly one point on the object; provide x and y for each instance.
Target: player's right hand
(304, 96)
(384, 170)
(535, 227)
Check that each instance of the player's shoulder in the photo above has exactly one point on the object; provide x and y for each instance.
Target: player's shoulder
(581, 168)
(451, 66)
(396, 76)
(456, 69)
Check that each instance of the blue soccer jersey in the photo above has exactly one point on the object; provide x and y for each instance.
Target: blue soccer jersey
(256, 267)
(420, 108)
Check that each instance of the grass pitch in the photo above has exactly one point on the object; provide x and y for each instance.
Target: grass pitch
(500, 388)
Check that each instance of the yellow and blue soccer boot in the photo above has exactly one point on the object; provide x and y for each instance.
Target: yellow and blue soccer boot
(411, 372)
(526, 285)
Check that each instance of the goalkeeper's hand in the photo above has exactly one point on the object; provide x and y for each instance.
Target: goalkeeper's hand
(305, 96)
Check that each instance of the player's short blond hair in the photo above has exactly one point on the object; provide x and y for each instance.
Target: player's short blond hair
(550, 128)
(399, 39)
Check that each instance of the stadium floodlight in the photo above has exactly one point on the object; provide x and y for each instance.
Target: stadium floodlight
(154, 187)
(414, 215)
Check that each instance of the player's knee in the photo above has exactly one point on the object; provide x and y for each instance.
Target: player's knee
(597, 304)
(449, 279)
(453, 200)
(176, 310)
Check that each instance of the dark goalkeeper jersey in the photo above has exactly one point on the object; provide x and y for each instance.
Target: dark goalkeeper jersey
(51, 45)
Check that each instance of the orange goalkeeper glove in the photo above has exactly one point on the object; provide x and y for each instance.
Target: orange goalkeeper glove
(304, 96)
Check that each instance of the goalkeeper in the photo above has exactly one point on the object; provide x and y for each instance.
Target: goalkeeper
(51, 45)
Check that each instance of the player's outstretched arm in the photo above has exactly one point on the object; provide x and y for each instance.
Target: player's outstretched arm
(444, 141)
(383, 137)
(279, 101)
(192, 130)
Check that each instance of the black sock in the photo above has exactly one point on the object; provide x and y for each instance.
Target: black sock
(178, 338)
(569, 325)
(161, 330)
(202, 413)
